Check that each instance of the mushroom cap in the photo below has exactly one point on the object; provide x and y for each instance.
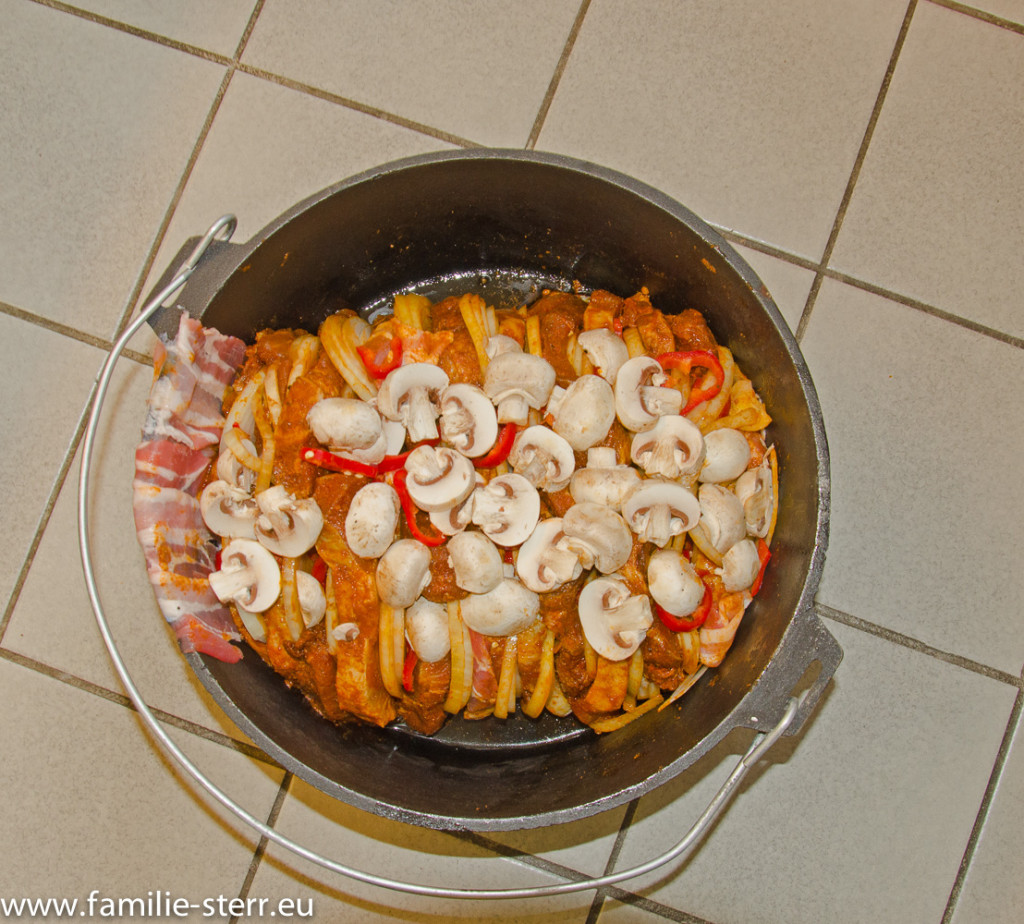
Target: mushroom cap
(402, 572)
(516, 381)
(507, 609)
(585, 412)
(476, 561)
(454, 521)
(372, 519)
(439, 477)
(344, 423)
(754, 489)
(228, 511)
(657, 510)
(426, 627)
(673, 582)
(605, 349)
(312, 599)
(721, 517)
(598, 535)
(469, 421)
(287, 526)
(409, 394)
(249, 576)
(614, 621)
(603, 484)
(672, 448)
(506, 509)
(740, 566)
(543, 457)
(726, 456)
(501, 343)
(232, 471)
(541, 564)
(639, 398)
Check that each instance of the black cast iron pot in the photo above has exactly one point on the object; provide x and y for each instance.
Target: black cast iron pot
(507, 224)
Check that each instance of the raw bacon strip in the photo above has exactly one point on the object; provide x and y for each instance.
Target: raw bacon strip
(179, 435)
(485, 683)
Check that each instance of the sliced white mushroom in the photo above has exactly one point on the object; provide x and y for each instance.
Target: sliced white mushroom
(515, 382)
(312, 599)
(657, 510)
(507, 609)
(426, 627)
(672, 448)
(454, 521)
(345, 423)
(410, 394)
(248, 576)
(640, 398)
(394, 436)
(605, 349)
(228, 511)
(501, 343)
(286, 525)
(371, 455)
(614, 621)
(403, 571)
(740, 565)
(542, 563)
(603, 480)
(543, 458)
(584, 412)
(754, 489)
(476, 561)
(721, 517)
(372, 519)
(232, 471)
(673, 582)
(506, 509)
(469, 421)
(598, 535)
(726, 456)
(439, 477)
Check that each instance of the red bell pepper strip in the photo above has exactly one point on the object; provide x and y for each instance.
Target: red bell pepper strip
(320, 570)
(407, 668)
(686, 623)
(378, 360)
(409, 509)
(702, 359)
(501, 448)
(764, 555)
(335, 463)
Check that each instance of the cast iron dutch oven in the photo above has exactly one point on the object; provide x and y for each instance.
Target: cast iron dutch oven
(508, 224)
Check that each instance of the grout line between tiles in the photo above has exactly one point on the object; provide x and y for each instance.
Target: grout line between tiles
(983, 15)
(556, 78)
(857, 165)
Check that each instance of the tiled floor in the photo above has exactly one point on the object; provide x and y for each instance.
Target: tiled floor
(863, 155)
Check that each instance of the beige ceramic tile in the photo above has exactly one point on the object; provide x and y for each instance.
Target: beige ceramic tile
(40, 414)
(925, 527)
(788, 283)
(850, 821)
(391, 849)
(91, 804)
(53, 621)
(216, 27)
(991, 893)
(477, 71)
(750, 114)
(96, 127)
(938, 210)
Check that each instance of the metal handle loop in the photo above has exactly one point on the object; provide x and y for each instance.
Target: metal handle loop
(222, 230)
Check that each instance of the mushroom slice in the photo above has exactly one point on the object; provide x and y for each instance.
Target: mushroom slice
(726, 456)
(614, 621)
(228, 511)
(740, 565)
(345, 423)
(506, 509)
(287, 526)
(672, 448)
(454, 521)
(606, 350)
(721, 517)
(598, 535)
(476, 561)
(249, 576)
(640, 398)
(468, 419)
(657, 510)
(516, 381)
(312, 599)
(372, 519)
(754, 489)
(403, 571)
(543, 458)
(426, 627)
(673, 582)
(501, 343)
(439, 477)
(584, 412)
(232, 471)
(603, 480)
(410, 394)
(507, 609)
(542, 564)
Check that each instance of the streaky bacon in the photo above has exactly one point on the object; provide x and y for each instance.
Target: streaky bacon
(485, 683)
(181, 430)
(719, 629)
